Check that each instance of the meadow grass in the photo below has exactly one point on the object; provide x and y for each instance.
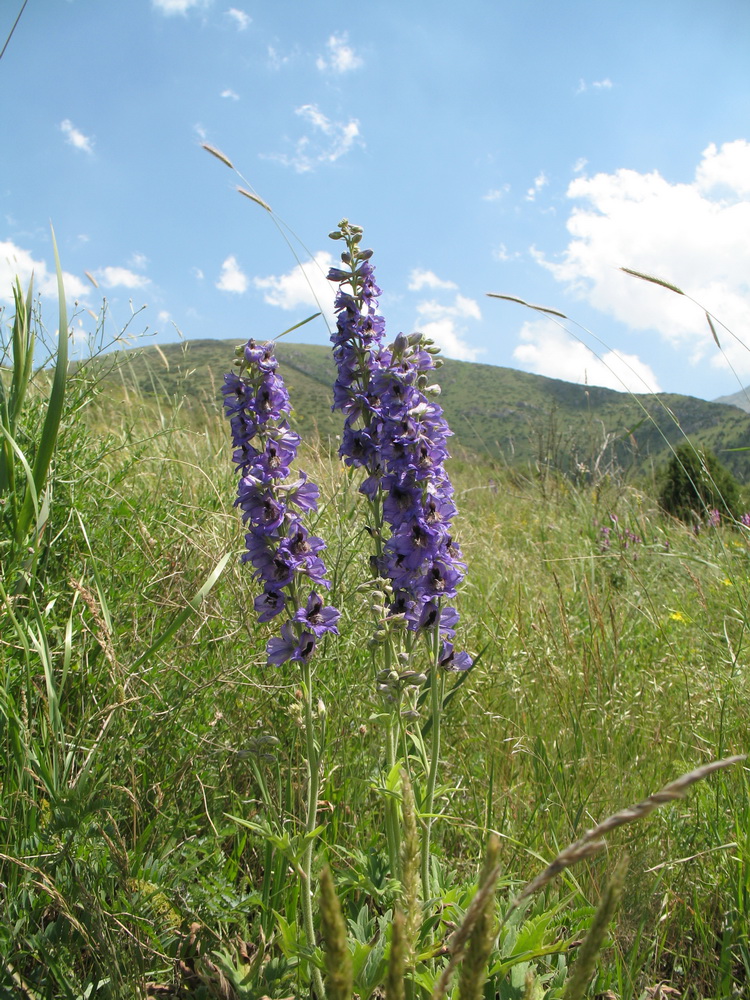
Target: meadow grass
(611, 658)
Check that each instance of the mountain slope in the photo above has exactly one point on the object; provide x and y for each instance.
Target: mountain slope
(494, 412)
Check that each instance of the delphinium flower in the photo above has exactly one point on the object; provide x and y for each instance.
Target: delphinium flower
(284, 555)
(279, 547)
(395, 430)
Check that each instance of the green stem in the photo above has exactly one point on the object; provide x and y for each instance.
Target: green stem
(436, 684)
(313, 789)
(393, 828)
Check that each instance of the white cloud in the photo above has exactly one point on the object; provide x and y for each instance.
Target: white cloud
(328, 141)
(580, 165)
(304, 285)
(419, 279)
(74, 137)
(546, 349)
(495, 194)
(240, 18)
(449, 338)
(232, 278)
(170, 7)
(341, 56)
(275, 59)
(503, 254)
(164, 316)
(197, 273)
(231, 94)
(138, 260)
(540, 181)
(443, 323)
(120, 277)
(693, 235)
(15, 261)
(727, 168)
(604, 84)
(462, 307)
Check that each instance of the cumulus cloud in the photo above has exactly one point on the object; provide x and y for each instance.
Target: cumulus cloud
(340, 58)
(304, 285)
(546, 349)
(17, 262)
(231, 94)
(449, 336)
(240, 18)
(443, 322)
(120, 277)
(74, 137)
(419, 279)
(693, 235)
(232, 278)
(328, 141)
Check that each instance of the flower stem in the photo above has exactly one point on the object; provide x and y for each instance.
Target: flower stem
(436, 700)
(313, 788)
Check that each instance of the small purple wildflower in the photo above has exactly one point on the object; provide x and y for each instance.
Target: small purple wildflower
(278, 545)
(745, 519)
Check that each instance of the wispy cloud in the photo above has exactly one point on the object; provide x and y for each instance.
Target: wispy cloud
(231, 94)
(340, 58)
(276, 60)
(170, 7)
(419, 279)
(691, 234)
(546, 349)
(232, 278)
(304, 285)
(327, 142)
(604, 84)
(495, 194)
(241, 19)
(503, 254)
(74, 137)
(540, 181)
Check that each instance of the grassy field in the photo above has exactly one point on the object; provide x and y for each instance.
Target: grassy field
(153, 767)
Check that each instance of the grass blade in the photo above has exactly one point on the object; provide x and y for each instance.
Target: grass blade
(53, 417)
(192, 606)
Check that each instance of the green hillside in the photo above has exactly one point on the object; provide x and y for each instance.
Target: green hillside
(498, 413)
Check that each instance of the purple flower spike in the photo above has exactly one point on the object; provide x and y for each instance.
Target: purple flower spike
(395, 430)
(278, 546)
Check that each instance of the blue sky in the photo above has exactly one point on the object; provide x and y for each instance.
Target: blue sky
(525, 147)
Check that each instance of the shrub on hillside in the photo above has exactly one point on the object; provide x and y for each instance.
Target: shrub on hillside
(695, 482)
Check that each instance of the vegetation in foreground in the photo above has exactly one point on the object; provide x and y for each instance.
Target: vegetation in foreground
(154, 768)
